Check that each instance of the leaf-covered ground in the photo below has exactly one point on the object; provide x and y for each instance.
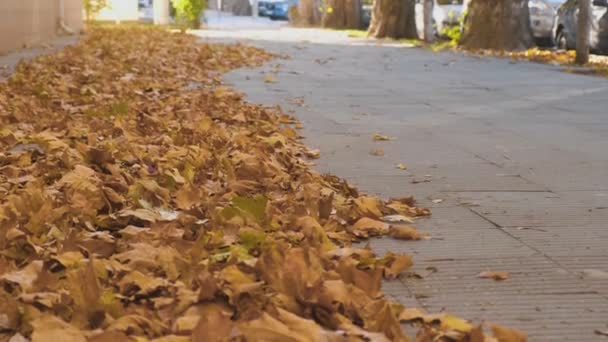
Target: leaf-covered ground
(597, 65)
(142, 200)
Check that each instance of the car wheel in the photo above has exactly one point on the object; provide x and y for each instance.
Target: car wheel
(561, 41)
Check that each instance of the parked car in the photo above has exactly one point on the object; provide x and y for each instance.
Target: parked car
(446, 14)
(566, 24)
(265, 8)
(366, 12)
(276, 9)
(542, 17)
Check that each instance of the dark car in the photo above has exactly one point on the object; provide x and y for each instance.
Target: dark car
(566, 24)
(276, 9)
(265, 8)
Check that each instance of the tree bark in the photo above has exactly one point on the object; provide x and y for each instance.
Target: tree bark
(498, 24)
(342, 14)
(393, 19)
(429, 31)
(582, 32)
(307, 13)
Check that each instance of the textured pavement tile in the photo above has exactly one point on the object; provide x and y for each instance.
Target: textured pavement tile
(516, 151)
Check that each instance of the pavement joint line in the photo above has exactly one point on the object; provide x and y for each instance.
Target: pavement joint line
(499, 227)
(555, 262)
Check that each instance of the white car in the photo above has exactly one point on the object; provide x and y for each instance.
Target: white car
(446, 14)
(542, 18)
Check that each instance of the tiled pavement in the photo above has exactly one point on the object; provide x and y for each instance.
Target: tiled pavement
(518, 153)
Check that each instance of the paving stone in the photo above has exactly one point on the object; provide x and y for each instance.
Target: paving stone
(517, 152)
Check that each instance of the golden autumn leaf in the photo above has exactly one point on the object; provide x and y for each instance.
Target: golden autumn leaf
(503, 334)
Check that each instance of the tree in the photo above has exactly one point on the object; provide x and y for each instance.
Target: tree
(393, 19)
(307, 13)
(188, 12)
(429, 32)
(342, 14)
(582, 32)
(498, 24)
(92, 7)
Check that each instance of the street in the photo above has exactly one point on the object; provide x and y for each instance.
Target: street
(511, 157)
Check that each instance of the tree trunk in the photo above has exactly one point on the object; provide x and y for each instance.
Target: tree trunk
(429, 30)
(307, 13)
(498, 24)
(342, 14)
(161, 12)
(582, 32)
(237, 7)
(393, 19)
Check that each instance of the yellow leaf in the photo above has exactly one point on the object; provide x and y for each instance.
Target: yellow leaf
(268, 78)
(454, 323)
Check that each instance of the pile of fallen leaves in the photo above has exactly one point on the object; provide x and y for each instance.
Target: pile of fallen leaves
(141, 200)
(598, 64)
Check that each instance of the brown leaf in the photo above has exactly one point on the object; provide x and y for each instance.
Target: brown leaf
(269, 78)
(404, 232)
(214, 325)
(494, 275)
(396, 264)
(366, 227)
(508, 335)
(377, 152)
(25, 277)
(380, 137)
(368, 207)
(50, 328)
(140, 284)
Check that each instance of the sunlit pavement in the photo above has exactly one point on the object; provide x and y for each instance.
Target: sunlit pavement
(511, 157)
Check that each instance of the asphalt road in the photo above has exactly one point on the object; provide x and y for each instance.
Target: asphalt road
(511, 157)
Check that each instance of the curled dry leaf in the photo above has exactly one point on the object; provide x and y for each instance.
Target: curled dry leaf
(366, 227)
(397, 219)
(404, 232)
(395, 264)
(269, 78)
(494, 275)
(380, 137)
(401, 166)
(377, 152)
(508, 335)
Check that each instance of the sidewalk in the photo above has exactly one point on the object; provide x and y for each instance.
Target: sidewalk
(510, 157)
(9, 61)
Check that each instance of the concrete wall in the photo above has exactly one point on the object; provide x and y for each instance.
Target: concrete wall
(123, 10)
(32, 22)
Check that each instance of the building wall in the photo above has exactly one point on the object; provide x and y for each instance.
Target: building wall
(32, 22)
